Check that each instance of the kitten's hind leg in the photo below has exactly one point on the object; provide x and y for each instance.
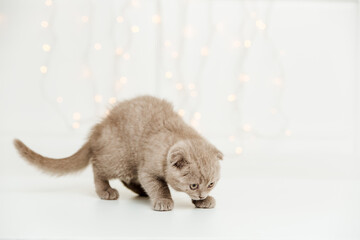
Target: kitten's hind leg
(103, 189)
(136, 188)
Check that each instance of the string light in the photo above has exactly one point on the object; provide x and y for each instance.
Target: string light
(98, 98)
(168, 75)
(43, 69)
(97, 46)
(59, 99)
(273, 111)
(156, 19)
(167, 43)
(231, 97)
(197, 116)
(238, 150)
(76, 125)
(189, 32)
(219, 27)
(181, 112)
(288, 133)
(244, 77)
(135, 3)
(76, 116)
(86, 73)
(277, 81)
(46, 47)
(253, 14)
(260, 24)
(48, 3)
(247, 127)
(247, 43)
(174, 54)
(84, 19)
(123, 80)
(193, 93)
(119, 51)
(44, 24)
(236, 44)
(126, 56)
(179, 86)
(191, 86)
(112, 100)
(204, 51)
(135, 29)
(231, 138)
(120, 19)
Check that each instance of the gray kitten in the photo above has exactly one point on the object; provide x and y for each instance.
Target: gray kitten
(146, 145)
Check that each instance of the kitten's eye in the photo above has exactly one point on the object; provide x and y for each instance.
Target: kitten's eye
(211, 185)
(194, 186)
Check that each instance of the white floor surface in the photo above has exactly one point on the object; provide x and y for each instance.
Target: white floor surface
(247, 208)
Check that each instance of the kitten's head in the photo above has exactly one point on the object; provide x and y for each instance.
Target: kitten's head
(193, 167)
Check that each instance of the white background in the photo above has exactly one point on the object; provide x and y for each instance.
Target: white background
(295, 119)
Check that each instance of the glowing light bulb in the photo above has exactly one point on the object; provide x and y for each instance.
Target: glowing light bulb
(273, 111)
(43, 69)
(97, 46)
(247, 43)
(194, 123)
(76, 116)
(135, 29)
(231, 97)
(126, 56)
(59, 99)
(231, 138)
(277, 81)
(167, 43)
(86, 73)
(44, 24)
(119, 51)
(189, 32)
(112, 100)
(244, 77)
(194, 93)
(288, 133)
(156, 19)
(253, 14)
(174, 54)
(197, 116)
(120, 19)
(191, 86)
(123, 80)
(247, 127)
(238, 150)
(219, 27)
(204, 51)
(260, 24)
(168, 75)
(84, 19)
(48, 3)
(181, 112)
(179, 86)
(107, 112)
(135, 3)
(98, 98)
(236, 44)
(76, 125)
(46, 47)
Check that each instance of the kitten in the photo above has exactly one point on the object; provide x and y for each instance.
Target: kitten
(146, 145)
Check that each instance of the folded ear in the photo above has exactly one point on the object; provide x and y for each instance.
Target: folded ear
(219, 155)
(176, 157)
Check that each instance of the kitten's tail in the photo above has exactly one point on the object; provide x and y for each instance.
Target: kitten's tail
(76, 162)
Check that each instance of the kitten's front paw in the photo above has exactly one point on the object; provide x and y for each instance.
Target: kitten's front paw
(109, 194)
(208, 202)
(163, 204)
